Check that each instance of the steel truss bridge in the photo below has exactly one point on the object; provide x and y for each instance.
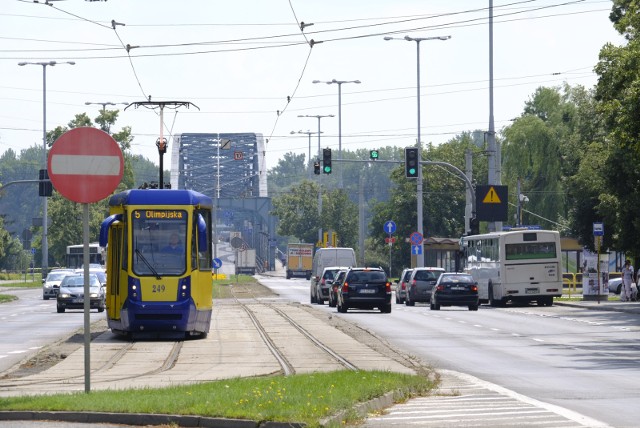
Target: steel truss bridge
(231, 169)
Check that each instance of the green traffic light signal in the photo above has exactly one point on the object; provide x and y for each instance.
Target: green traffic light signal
(326, 161)
(373, 154)
(411, 162)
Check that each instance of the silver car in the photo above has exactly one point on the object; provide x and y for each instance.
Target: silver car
(51, 284)
(420, 284)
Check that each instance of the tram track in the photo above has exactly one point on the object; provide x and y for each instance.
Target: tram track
(104, 369)
(272, 344)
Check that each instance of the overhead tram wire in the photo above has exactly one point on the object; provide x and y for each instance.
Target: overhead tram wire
(310, 43)
(455, 24)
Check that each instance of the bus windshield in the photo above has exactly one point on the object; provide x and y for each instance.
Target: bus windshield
(530, 250)
(159, 242)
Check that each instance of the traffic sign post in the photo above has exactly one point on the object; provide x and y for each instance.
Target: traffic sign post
(389, 227)
(85, 165)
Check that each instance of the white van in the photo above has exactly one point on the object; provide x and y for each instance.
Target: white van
(326, 257)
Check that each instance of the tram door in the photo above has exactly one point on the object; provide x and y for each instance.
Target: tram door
(114, 260)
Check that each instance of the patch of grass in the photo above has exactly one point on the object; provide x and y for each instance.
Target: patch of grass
(23, 284)
(4, 298)
(306, 398)
(221, 289)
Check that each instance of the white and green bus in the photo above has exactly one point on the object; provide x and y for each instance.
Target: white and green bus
(518, 266)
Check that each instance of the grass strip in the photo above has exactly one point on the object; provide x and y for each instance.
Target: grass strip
(4, 298)
(306, 398)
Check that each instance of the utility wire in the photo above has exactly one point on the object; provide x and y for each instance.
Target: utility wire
(454, 24)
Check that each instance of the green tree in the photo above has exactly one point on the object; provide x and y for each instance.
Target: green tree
(618, 94)
(297, 211)
(340, 215)
(290, 171)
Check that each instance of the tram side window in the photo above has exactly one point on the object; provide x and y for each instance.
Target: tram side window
(202, 239)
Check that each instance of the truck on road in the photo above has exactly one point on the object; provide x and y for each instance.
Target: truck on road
(299, 260)
(246, 261)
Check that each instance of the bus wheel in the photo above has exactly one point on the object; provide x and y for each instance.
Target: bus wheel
(546, 301)
(492, 301)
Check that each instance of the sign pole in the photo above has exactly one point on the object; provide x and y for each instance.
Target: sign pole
(85, 165)
(87, 299)
(390, 244)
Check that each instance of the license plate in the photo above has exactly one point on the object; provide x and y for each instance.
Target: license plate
(78, 300)
(367, 291)
(458, 288)
(532, 290)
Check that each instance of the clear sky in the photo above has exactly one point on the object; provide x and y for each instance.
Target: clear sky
(238, 61)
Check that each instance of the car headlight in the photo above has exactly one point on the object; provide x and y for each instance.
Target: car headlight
(63, 296)
(94, 295)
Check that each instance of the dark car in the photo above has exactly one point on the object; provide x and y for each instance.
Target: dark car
(401, 285)
(320, 291)
(365, 288)
(336, 286)
(71, 295)
(420, 284)
(455, 289)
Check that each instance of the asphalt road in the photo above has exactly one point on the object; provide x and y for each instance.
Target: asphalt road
(31, 323)
(582, 360)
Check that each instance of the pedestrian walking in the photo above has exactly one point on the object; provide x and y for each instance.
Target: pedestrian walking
(627, 280)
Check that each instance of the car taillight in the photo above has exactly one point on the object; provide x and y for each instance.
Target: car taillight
(322, 282)
(413, 283)
(387, 287)
(404, 286)
(474, 288)
(345, 287)
(440, 288)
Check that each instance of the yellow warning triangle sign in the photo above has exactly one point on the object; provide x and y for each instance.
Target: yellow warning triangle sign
(491, 197)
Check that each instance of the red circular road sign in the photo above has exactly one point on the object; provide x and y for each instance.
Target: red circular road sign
(85, 165)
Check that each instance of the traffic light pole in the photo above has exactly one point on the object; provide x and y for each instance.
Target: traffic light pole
(455, 169)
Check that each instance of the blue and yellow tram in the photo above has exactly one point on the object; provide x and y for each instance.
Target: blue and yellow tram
(158, 262)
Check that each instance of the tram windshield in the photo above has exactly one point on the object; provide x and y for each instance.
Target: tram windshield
(159, 242)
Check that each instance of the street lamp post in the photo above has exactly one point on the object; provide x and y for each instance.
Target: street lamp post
(309, 133)
(420, 255)
(339, 83)
(45, 244)
(318, 116)
(104, 108)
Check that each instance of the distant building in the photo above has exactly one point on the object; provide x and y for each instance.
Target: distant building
(223, 165)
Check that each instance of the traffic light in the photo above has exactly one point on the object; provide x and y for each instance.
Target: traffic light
(326, 161)
(373, 154)
(474, 226)
(316, 168)
(411, 163)
(45, 188)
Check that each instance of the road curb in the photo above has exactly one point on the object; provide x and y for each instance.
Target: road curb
(631, 308)
(143, 419)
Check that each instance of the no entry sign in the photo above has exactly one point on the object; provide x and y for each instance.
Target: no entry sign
(85, 165)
